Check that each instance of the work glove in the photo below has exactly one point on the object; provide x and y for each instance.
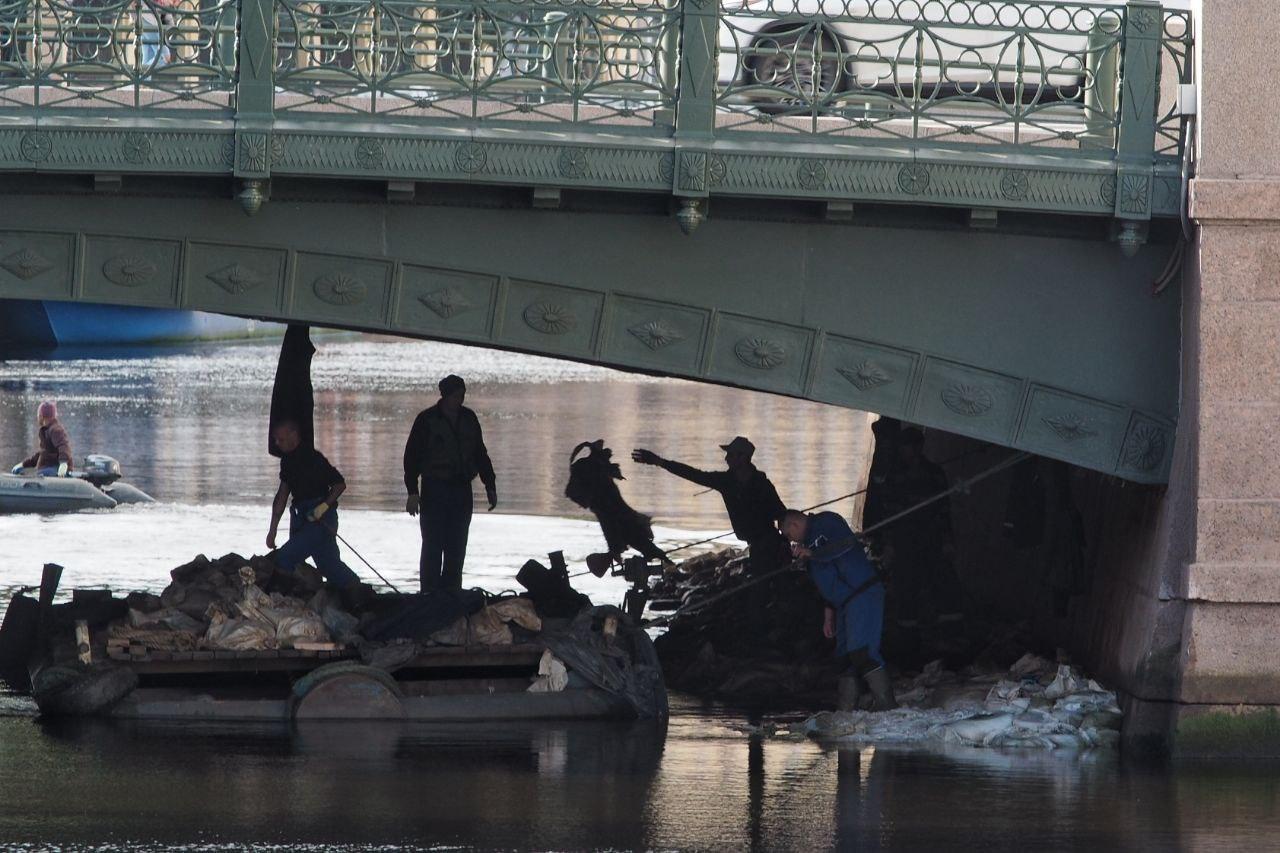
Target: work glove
(491, 492)
(16, 469)
(62, 469)
(412, 504)
(318, 511)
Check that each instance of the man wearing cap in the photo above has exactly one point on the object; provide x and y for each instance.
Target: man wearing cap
(444, 454)
(53, 459)
(750, 499)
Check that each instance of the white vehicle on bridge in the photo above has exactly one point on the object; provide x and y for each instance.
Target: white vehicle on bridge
(881, 60)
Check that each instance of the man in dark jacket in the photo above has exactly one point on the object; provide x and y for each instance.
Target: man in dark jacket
(750, 499)
(53, 459)
(444, 454)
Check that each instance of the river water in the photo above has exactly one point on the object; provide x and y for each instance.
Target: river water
(188, 427)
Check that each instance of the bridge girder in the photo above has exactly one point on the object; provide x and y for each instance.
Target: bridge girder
(1048, 344)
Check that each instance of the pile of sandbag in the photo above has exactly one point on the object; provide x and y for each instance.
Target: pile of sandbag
(222, 604)
(1036, 704)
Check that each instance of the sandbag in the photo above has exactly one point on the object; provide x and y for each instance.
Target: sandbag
(552, 675)
(240, 634)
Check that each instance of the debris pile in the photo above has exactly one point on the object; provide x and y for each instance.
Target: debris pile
(1035, 704)
(749, 646)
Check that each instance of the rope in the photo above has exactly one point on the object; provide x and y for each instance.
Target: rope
(335, 532)
(963, 485)
(688, 545)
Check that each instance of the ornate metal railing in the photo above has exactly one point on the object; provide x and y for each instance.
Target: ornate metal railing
(1003, 72)
(596, 62)
(71, 54)
(831, 99)
(991, 72)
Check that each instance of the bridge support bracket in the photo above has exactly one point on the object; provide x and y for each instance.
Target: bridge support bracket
(401, 191)
(253, 194)
(839, 211)
(546, 198)
(1131, 235)
(692, 213)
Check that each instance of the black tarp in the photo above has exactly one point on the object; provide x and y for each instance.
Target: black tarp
(291, 396)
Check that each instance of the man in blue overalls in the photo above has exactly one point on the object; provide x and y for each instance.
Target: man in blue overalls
(849, 583)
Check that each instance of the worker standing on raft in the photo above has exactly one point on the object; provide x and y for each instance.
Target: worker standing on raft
(313, 518)
(854, 615)
(445, 452)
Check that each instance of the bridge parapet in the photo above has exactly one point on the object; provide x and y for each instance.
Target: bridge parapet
(1037, 105)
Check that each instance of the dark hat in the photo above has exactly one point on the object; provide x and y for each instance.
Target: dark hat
(739, 445)
(451, 384)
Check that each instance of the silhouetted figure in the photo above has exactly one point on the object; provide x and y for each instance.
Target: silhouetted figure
(593, 485)
(918, 548)
(445, 452)
(315, 486)
(750, 499)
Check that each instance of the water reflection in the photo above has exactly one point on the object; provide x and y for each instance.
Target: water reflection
(693, 785)
(188, 425)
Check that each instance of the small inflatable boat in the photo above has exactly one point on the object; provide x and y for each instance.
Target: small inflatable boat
(96, 486)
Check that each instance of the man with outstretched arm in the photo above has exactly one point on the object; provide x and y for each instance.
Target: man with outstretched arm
(444, 454)
(750, 499)
(313, 518)
(854, 615)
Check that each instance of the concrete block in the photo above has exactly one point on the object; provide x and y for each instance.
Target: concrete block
(1238, 458)
(1240, 263)
(1239, 354)
(1235, 141)
(1238, 531)
(1230, 654)
(1234, 583)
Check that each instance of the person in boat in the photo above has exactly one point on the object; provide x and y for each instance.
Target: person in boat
(53, 459)
(854, 595)
(750, 499)
(315, 486)
(444, 454)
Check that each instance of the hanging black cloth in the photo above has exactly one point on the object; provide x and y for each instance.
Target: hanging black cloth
(591, 486)
(292, 398)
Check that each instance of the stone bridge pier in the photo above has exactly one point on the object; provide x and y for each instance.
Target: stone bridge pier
(1198, 643)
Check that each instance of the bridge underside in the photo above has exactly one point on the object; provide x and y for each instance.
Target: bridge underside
(1046, 343)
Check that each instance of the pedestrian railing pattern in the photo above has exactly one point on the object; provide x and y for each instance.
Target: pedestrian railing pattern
(145, 54)
(587, 63)
(1027, 74)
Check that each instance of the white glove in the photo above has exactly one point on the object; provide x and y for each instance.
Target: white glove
(62, 469)
(16, 469)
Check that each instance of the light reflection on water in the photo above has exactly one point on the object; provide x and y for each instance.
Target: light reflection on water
(188, 426)
(698, 785)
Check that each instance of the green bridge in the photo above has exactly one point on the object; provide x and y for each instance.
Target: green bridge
(959, 212)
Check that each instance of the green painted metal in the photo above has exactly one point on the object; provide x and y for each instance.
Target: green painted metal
(1035, 105)
(1047, 344)
(1052, 345)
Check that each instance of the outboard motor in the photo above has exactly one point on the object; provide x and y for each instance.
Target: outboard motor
(100, 470)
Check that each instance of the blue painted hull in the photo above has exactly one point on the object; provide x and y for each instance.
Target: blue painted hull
(27, 325)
